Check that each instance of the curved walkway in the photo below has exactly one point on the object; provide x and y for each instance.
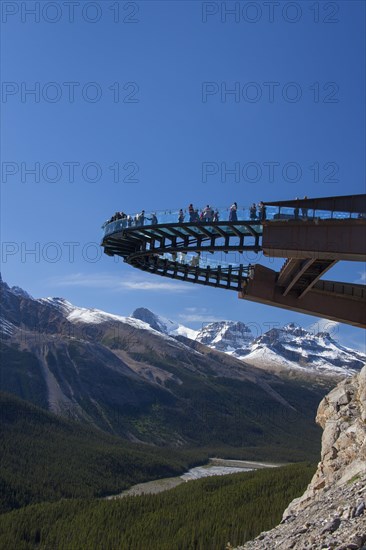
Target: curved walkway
(158, 243)
(175, 250)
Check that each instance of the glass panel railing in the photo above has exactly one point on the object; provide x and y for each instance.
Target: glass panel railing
(340, 215)
(199, 260)
(252, 215)
(121, 221)
(319, 214)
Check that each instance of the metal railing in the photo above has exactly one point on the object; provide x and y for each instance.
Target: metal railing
(122, 221)
(198, 260)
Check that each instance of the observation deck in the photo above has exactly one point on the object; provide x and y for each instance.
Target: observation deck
(313, 234)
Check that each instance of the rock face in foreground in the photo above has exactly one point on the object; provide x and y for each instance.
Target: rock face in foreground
(331, 514)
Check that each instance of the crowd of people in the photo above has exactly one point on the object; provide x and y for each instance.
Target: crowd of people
(132, 221)
(192, 214)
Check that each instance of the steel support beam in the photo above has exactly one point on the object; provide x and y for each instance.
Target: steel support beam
(345, 303)
(312, 282)
(320, 239)
(296, 276)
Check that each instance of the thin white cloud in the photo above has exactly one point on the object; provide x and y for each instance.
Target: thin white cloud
(146, 285)
(192, 318)
(198, 315)
(362, 278)
(103, 280)
(324, 325)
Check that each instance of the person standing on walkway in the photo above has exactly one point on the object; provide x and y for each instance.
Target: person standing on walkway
(304, 210)
(262, 213)
(207, 214)
(233, 216)
(253, 212)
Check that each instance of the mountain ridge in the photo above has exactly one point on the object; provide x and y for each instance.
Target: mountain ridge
(131, 380)
(280, 349)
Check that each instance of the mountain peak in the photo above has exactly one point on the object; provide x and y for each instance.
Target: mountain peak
(20, 292)
(14, 289)
(291, 326)
(289, 348)
(162, 324)
(233, 337)
(59, 303)
(295, 329)
(144, 314)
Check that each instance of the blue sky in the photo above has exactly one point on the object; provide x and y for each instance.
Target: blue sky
(145, 93)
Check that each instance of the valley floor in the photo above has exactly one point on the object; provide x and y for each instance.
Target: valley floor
(202, 515)
(216, 467)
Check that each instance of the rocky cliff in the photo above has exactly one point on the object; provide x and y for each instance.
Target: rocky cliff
(331, 513)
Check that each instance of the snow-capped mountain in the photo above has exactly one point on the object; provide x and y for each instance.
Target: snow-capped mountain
(285, 349)
(282, 349)
(18, 308)
(162, 324)
(232, 337)
(127, 378)
(149, 379)
(93, 316)
(292, 347)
